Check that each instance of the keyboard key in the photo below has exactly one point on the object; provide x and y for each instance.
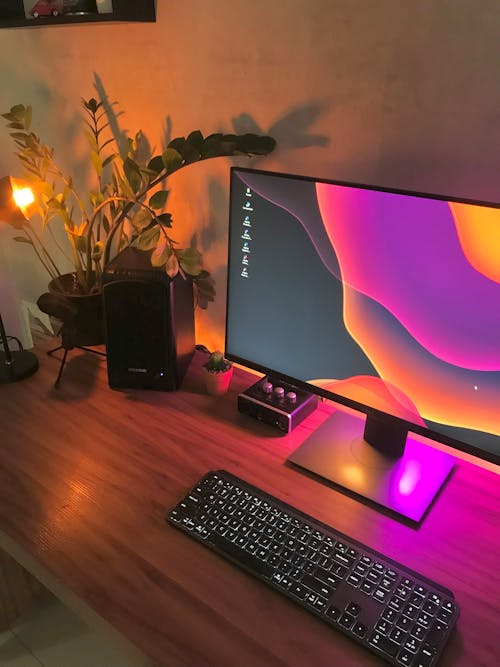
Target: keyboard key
(430, 608)
(317, 586)
(298, 591)
(368, 587)
(359, 629)
(384, 644)
(384, 627)
(333, 613)
(389, 615)
(405, 657)
(404, 623)
(380, 595)
(353, 608)
(397, 635)
(320, 604)
(346, 620)
(412, 644)
(424, 657)
(354, 580)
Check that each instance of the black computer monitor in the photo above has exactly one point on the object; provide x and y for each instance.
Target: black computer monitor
(384, 301)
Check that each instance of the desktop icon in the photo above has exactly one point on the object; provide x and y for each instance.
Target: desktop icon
(244, 272)
(247, 206)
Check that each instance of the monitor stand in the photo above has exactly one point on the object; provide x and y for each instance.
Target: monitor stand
(400, 473)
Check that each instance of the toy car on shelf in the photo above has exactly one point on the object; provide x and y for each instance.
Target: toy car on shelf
(46, 8)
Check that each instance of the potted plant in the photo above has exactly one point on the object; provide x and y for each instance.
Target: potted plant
(217, 372)
(126, 205)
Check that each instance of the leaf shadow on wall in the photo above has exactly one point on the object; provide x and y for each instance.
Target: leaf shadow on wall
(291, 131)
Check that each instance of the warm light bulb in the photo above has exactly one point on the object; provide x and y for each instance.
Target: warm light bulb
(23, 197)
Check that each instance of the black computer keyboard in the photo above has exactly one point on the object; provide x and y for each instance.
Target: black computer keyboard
(391, 610)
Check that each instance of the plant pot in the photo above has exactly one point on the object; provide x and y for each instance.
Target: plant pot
(217, 382)
(88, 317)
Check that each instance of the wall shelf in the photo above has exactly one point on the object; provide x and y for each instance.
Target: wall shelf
(12, 14)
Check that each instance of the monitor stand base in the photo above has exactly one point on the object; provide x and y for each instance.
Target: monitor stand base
(406, 485)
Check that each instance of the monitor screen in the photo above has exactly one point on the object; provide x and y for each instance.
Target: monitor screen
(385, 301)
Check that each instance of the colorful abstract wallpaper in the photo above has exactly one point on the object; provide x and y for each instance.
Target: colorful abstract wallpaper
(387, 298)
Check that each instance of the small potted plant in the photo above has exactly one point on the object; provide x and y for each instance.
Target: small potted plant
(217, 372)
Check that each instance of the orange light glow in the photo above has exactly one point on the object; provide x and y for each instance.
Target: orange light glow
(23, 195)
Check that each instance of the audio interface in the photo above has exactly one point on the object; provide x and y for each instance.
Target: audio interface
(277, 403)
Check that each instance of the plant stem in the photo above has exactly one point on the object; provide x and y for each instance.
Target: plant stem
(47, 256)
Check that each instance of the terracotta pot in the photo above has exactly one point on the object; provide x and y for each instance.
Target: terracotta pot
(217, 382)
(89, 317)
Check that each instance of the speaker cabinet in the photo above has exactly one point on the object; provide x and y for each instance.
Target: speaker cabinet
(149, 323)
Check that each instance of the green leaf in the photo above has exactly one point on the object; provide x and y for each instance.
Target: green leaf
(81, 243)
(96, 162)
(109, 159)
(91, 139)
(172, 266)
(149, 238)
(253, 144)
(190, 261)
(141, 219)
(156, 164)
(172, 159)
(159, 199)
(165, 219)
(196, 140)
(133, 174)
(188, 152)
(212, 146)
(161, 253)
(123, 186)
(205, 289)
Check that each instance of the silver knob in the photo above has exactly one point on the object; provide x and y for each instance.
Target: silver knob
(267, 387)
(291, 396)
(279, 392)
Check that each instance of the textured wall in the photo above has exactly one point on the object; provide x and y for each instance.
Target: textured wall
(390, 92)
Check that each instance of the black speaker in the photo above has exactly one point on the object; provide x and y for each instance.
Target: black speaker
(149, 323)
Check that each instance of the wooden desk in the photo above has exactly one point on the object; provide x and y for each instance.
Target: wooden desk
(87, 475)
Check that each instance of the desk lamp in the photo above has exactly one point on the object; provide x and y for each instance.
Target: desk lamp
(14, 364)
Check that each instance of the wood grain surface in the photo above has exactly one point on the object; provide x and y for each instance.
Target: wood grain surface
(87, 475)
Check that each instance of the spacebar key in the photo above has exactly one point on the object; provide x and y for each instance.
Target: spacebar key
(240, 556)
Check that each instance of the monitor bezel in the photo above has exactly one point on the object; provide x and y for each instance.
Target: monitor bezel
(320, 391)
